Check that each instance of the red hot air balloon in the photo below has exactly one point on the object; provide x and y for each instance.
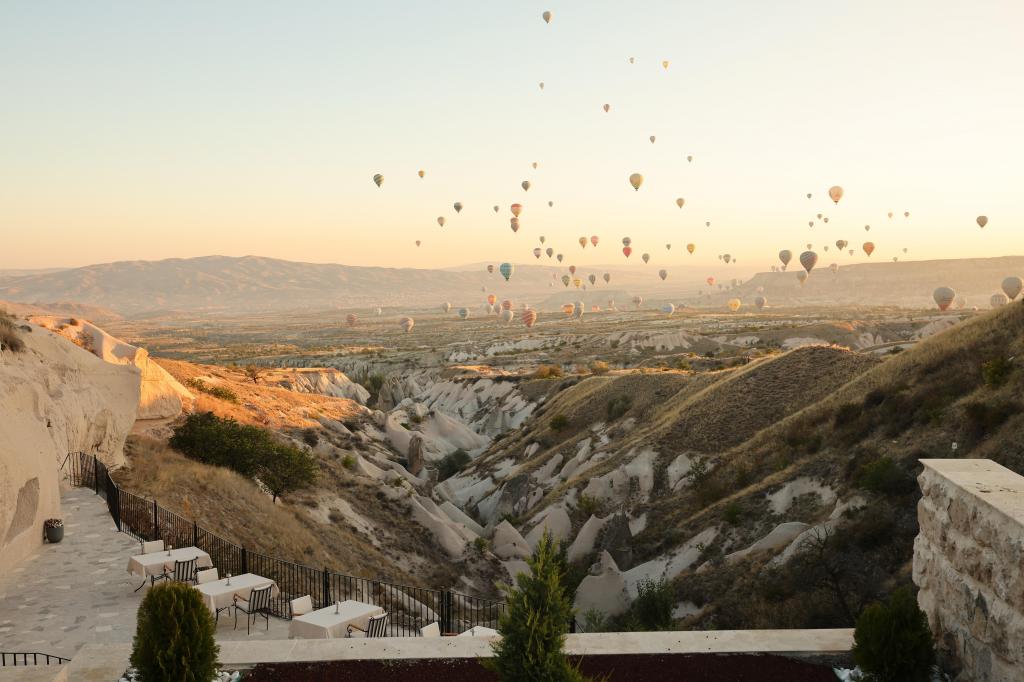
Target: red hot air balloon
(626, 250)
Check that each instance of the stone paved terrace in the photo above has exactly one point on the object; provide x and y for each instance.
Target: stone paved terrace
(79, 592)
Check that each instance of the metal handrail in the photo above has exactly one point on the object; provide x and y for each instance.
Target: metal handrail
(23, 656)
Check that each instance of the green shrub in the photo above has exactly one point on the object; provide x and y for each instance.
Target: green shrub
(221, 392)
(984, 418)
(594, 621)
(349, 462)
(559, 422)
(174, 636)
(892, 642)
(452, 464)
(534, 623)
(480, 544)
(733, 512)
(249, 450)
(618, 406)
(652, 609)
(310, 437)
(589, 506)
(548, 372)
(996, 372)
(884, 476)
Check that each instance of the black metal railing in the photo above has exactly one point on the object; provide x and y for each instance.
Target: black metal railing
(30, 658)
(410, 608)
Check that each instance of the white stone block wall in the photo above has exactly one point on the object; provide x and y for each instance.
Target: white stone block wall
(969, 564)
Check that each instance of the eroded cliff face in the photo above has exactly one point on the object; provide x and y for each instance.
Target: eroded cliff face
(55, 398)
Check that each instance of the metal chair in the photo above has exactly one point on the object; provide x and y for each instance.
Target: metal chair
(184, 572)
(377, 627)
(301, 606)
(258, 604)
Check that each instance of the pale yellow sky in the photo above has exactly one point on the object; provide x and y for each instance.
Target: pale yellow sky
(253, 128)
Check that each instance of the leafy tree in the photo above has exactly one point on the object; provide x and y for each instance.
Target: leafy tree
(452, 464)
(254, 373)
(653, 606)
(284, 468)
(892, 642)
(534, 623)
(174, 636)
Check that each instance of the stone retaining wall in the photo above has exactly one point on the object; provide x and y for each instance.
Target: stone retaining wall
(969, 565)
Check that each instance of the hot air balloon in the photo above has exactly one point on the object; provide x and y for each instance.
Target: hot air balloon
(638, 300)
(578, 309)
(496, 208)
(463, 313)
(906, 214)
(835, 193)
(944, 297)
(550, 204)
(663, 274)
(646, 258)
(982, 220)
(652, 138)
(606, 277)
(549, 251)
(1012, 286)
(351, 319)
(594, 240)
(418, 243)
(378, 179)
(691, 248)
(867, 228)
(445, 307)
(526, 185)
(490, 268)
(726, 257)
(689, 158)
(998, 300)
(808, 195)
(440, 220)
(890, 214)
(834, 267)
(668, 247)
(606, 108)
(506, 270)
(542, 239)
(801, 277)
(760, 302)
(636, 180)
(626, 251)
(734, 304)
(825, 219)
(632, 60)
(707, 224)
(421, 173)
(529, 317)
(566, 279)
(710, 281)
(583, 242)
(537, 252)
(680, 201)
(841, 244)
(516, 209)
(406, 323)
(458, 206)
(541, 84)
(851, 252)
(576, 282)
(491, 299)
(559, 258)
(668, 308)
(506, 304)
(514, 224)
(664, 64)
(506, 316)
(808, 259)
(546, 16)
(568, 308)
(904, 249)
(868, 247)
(592, 278)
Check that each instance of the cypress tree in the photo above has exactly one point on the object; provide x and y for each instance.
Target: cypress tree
(174, 636)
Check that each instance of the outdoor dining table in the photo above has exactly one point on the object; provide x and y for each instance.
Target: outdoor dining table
(218, 594)
(478, 631)
(326, 624)
(156, 563)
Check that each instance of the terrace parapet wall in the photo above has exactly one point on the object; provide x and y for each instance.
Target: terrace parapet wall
(969, 565)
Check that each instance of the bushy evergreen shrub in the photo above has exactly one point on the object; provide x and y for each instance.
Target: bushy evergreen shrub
(174, 636)
(892, 642)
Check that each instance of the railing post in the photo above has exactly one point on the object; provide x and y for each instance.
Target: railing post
(195, 534)
(327, 586)
(446, 613)
(95, 475)
(156, 522)
(245, 561)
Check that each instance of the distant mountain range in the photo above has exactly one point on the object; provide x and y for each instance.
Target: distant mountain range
(218, 285)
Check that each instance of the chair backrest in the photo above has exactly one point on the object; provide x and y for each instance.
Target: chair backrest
(432, 630)
(152, 546)
(378, 625)
(185, 571)
(302, 605)
(207, 576)
(259, 599)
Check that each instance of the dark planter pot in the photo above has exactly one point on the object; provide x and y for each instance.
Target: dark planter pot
(54, 534)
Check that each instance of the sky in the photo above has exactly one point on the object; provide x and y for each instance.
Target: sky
(155, 130)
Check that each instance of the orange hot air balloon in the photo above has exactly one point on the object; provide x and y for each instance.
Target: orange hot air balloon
(517, 209)
(529, 317)
(691, 248)
(607, 108)
(506, 304)
(869, 247)
(594, 240)
(710, 281)
(491, 299)
(568, 309)
(626, 250)
(583, 242)
(835, 193)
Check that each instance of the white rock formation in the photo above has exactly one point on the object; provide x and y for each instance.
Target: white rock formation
(556, 520)
(780, 536)
(320, 380)
(604, 589)
(55, 398)
(507, 543)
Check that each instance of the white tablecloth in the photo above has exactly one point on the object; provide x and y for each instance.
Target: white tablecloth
(155, 563)
(218, 594)
(326, 624)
